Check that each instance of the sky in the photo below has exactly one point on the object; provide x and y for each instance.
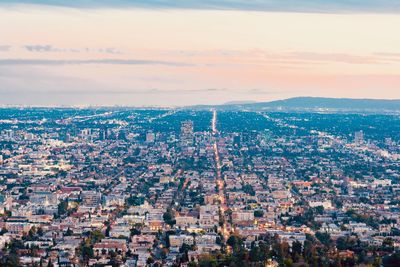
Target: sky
(186, 52)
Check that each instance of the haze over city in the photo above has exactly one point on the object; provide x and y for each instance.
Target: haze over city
(174, 53)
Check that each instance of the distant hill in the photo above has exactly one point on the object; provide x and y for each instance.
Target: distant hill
(317, 104)
(240, 102)
(330, 103)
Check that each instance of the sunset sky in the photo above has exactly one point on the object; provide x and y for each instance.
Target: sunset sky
(144, 53)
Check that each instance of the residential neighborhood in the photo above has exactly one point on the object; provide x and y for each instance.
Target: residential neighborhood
(125, 187)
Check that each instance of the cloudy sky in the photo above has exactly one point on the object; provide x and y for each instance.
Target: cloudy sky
(183, 52)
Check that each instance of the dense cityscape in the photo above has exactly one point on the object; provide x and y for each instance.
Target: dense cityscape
(183, 187)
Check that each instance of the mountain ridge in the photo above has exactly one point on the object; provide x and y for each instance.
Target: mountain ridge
(315, 104)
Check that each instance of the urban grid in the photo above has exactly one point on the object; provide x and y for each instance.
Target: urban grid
(198, 187)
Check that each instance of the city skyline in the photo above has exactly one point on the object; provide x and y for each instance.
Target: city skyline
(164, 53)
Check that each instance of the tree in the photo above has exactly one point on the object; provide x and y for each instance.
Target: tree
(135, 231)
(255, 254)
(69, 232)
(31, 233)
(264, 251)
(96, 236)
(281, 250)
(391, 261)
(247, 188)
(309, 251)
(150, 260)
(135, 200)
(10, 260)
(388, 244)
(169, 217)
(184, 249)
(324, 238)
(288, 262)
(40, 231)
(296, 250)
(258, 213)
(63, 207)
(343, 243)
(235, 242)
(207, 260)
(319, 210)
(3, 231)
(86, 251)
(108, 229)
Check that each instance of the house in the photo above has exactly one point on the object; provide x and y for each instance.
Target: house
(108, 244)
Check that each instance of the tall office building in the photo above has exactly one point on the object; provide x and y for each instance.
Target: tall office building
(187, 132)
(122, 135)
(67, 138)
(359, 137)
(103, 134)
(237, 139)
(8, 134)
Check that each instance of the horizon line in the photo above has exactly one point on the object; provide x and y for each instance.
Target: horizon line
(92, 106)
